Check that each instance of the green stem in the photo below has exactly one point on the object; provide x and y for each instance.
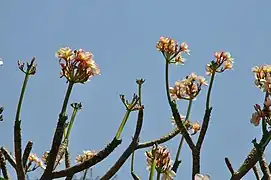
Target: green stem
(124, 120)
(139, 94)
(71, 123)
(188, 110)
(209, 90)
(167, 83)
(158, 176)
(152, 169)
(19, 106)
(66, 100)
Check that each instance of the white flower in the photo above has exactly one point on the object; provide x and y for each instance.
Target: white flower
(168, 175)
(1, 62)
(202, 177)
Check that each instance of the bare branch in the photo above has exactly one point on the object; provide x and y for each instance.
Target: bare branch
(228, 163)
(27, 151)
(3, 166)
(89, 163)
(8, 157)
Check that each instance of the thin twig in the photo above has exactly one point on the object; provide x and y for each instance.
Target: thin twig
(228, 163)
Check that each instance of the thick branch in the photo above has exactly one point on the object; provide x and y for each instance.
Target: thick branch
(89, 163)
(130, 149)
(196, 163)
(204, 128)
(180, 125)
(18, 150)
(55, 147)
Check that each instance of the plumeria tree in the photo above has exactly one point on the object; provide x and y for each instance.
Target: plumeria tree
(78, 67)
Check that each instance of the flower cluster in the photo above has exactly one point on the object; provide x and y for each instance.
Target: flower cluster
(193, 128)
(260, 113)
(44, 157)
(171, 50)
(163, 163)
(86, 156)
(263, 77)
(202, 177)
(33, 158)
(223, 61)
(188, 88)
(77, 66)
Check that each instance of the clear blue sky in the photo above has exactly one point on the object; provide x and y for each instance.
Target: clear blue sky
(122, 36)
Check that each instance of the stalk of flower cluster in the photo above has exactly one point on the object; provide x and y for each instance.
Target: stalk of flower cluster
(139, 82)
(209, 91)
(177, 162)
(158, 176)
(126, 116)
(66, 99)
(123, 122)
(167, 83)
(17, 130)
(58, 135)
(152, 170)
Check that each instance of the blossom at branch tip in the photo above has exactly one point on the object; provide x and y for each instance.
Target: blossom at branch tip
(161, 156)
(44, 157)
(222, 62)
(202, 177)
(188, 88)
(192, 128)
(172, 51)
(77, 66)
(33, 158)
(262, 76)
(86, 156)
